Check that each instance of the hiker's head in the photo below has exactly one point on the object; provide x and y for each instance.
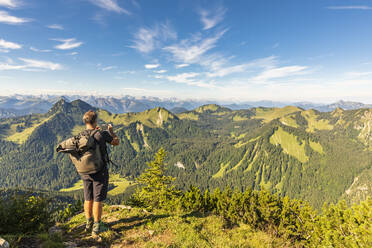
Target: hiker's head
(90, 118)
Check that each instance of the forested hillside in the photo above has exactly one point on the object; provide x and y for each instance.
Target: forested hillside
(304, 154)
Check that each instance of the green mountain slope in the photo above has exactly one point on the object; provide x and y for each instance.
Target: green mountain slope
(303, 154)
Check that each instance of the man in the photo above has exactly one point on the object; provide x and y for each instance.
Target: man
(96, 185)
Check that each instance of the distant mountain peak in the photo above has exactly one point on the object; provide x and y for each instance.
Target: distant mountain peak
(76, 106)
(211, 108)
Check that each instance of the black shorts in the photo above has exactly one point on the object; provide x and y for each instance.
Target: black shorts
(96, 185)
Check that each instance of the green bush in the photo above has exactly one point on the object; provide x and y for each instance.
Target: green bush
(25, 214)
(155, 189)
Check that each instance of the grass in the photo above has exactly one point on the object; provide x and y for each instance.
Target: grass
(239, 118)
(314, 123)
(269, 114)
(244, 158)
(316, 147)
(138, 228)
(21, 137)
(210, 107)
(241, 143)
(289, 121)
(255, 156)
(77, 129)
(121, 184)
(152, 117)
(289, 144)
(189, 116)
(221, 171)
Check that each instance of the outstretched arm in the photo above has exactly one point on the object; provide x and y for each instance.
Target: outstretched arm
(115, 141)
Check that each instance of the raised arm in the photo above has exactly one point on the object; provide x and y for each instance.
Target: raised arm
(115, 141)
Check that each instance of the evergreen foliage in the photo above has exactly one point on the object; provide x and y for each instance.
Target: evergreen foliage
(155, 189)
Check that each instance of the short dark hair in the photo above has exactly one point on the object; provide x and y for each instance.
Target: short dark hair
(90, 117)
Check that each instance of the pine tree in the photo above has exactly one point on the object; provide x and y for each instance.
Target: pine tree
(155, 188)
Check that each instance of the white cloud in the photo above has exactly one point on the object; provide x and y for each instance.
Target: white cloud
(127, 72)
(9, 45)
(30, 65)
(110, 5)
(68, 44)
(219, 67)
(72, 54)
(10, 3)
(39, 50)
(158, 76)
(147, 39)
(13, 20)
(189, 79)
(152, 66)
(56, 26)
(358, 73)
(228, 70)
(181, 66)
(190, 50)
(212, 18)
(351, 7)
(280, 72)
(107, 68)
(161, 71)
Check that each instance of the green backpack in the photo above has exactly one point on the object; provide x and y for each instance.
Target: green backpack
(84, 152)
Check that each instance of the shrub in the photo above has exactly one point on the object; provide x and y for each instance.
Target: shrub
(25, 214)
(155, 189)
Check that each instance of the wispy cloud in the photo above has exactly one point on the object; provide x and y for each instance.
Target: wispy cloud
(181, 66)
(30, 65)
(127, 72)
(12, 20)
(110, 5)
(72, 54)
(146, 39)
(212, 18)
(56, 26)
(189, 79)
(107, 68)
(11, 3)
(358, 73)
(280, 72)
(6, 45)
(152, 66)
(161, 71)
(350, 7)
(67, 44)
(39, 50)
(190, 50)
(219, 67)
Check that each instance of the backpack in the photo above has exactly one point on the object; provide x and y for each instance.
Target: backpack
(84, 152)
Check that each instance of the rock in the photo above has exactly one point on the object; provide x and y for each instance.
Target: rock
(3, 243)
(69, 244)
(120, 207)
(55, 230)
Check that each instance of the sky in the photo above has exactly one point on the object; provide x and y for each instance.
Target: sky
(241, 50)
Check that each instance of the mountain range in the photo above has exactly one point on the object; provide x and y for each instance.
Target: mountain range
(18, 105)
(305, 154)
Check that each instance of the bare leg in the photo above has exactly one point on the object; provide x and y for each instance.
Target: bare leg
(97, 211)
(88, 207)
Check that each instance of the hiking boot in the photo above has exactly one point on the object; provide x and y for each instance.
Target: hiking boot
(99, 227)
(89, 225)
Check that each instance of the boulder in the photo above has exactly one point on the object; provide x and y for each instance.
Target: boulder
(3, 243)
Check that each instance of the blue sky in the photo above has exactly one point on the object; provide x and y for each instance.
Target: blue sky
(288, 50)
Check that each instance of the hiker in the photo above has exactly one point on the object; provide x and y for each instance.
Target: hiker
(96, 184)
(88, 152)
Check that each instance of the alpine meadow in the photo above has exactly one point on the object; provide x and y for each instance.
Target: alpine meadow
(185, 124)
